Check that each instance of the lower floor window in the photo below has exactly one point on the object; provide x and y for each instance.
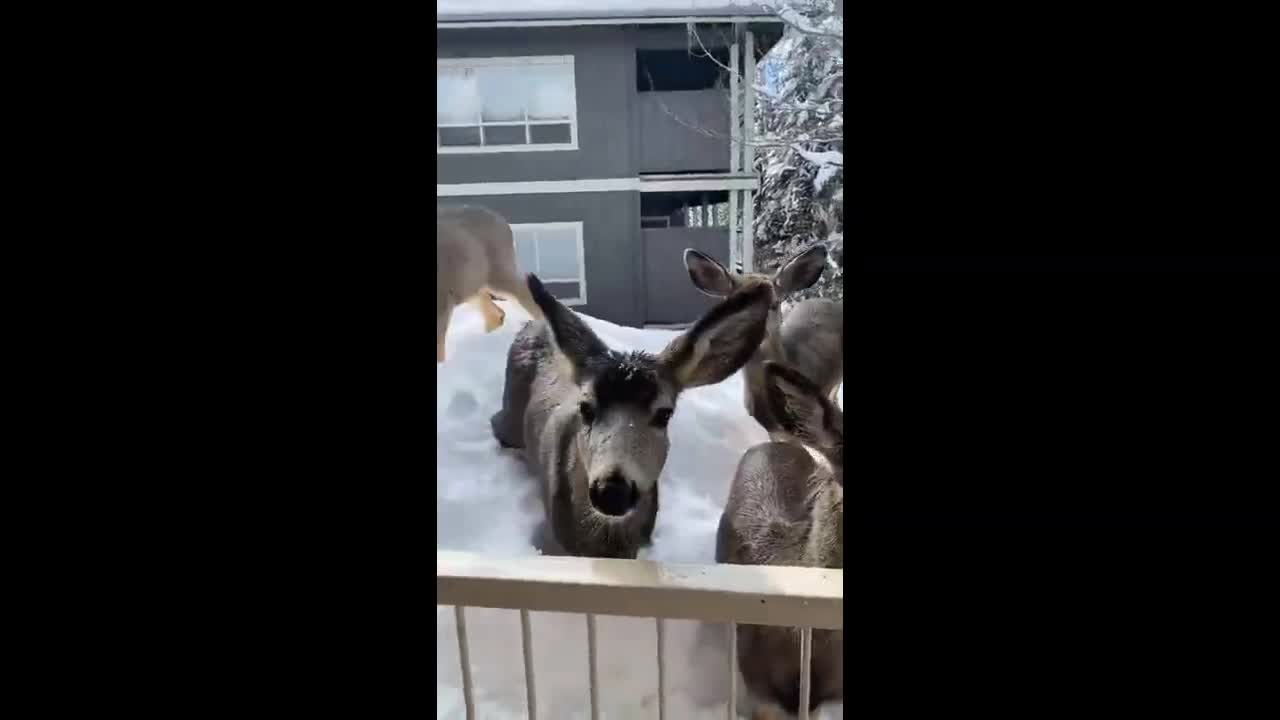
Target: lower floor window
(553, 251)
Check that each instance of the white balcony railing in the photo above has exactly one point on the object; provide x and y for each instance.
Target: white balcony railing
(805, 598)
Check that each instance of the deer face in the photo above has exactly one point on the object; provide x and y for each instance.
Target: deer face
(624, 407)
(799, 272)
(626, 400)
(806, 413)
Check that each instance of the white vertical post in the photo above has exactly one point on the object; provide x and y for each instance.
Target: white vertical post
(733, 228)
(748, 153)
(592, 677)
(464, 659)
(526, 642)
(734, 147)
(662, 676)
(749, 103)
(733, 671)
(806, 662)
(735, 256)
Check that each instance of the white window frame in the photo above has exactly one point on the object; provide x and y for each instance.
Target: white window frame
(576, 226)
(530, 147)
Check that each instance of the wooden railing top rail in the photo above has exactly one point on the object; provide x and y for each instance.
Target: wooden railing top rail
(752, 594)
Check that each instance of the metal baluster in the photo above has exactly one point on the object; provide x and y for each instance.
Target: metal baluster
(662, 675)
(591, 663)
(464, 658)
(733, 671)
(526, 640)
(806, 662)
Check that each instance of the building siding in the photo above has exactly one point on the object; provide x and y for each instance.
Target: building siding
(671, 295)
(670, 126)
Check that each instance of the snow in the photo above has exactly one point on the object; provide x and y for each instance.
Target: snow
(829, 163)
(486, 503)
(829, 24)
(462, 10)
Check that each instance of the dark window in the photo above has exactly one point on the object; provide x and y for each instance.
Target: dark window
(550, 134)
(455, 136)
(685, 69)
(504, 135)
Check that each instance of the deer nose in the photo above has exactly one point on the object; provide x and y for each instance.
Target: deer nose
(613, 495)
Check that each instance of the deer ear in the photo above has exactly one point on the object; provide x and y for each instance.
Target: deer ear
(573, 338)
(802, 270)
(707, 275)
(721, 341)
(800, 407)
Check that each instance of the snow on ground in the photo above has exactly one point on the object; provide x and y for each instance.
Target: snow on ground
(486, 503)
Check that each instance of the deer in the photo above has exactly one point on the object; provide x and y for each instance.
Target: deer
(809, 338)
(475, 262)
(786, 507)
(592, 422)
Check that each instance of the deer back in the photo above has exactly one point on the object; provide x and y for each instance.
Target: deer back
(812, 338)
(472, 244)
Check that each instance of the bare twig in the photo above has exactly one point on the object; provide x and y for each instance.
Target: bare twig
(763, 92)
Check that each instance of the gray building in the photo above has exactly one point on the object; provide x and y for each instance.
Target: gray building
(610, 138)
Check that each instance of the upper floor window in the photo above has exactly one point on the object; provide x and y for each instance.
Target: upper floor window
(511, 104)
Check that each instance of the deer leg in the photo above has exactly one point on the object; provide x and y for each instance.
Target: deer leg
(443, 313)
(514, 286)
(493, 315)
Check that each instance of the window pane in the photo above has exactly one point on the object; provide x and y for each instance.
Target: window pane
(457, 95)
(455, 137)
(550, 134)
(526, 261)
(504, 135)
(549, 90)
(558, 254)
(503, 89)
(564, 290)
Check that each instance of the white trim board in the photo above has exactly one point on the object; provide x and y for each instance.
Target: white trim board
(636, 184)
(574, 22)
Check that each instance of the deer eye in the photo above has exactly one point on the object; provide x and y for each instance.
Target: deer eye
(662, 417)
(587, 412)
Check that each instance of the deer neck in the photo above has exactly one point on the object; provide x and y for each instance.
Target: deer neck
(771, 348)
(753, 371)
(825, 545)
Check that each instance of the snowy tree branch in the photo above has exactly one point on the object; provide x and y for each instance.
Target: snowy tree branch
(794, 19)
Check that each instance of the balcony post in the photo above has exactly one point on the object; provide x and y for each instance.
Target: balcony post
(735, 256)
(748, 153)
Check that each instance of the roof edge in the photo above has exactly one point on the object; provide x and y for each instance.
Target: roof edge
(575, 22)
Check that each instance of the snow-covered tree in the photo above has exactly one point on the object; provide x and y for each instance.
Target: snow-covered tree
(798, 139)
(800, 155)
